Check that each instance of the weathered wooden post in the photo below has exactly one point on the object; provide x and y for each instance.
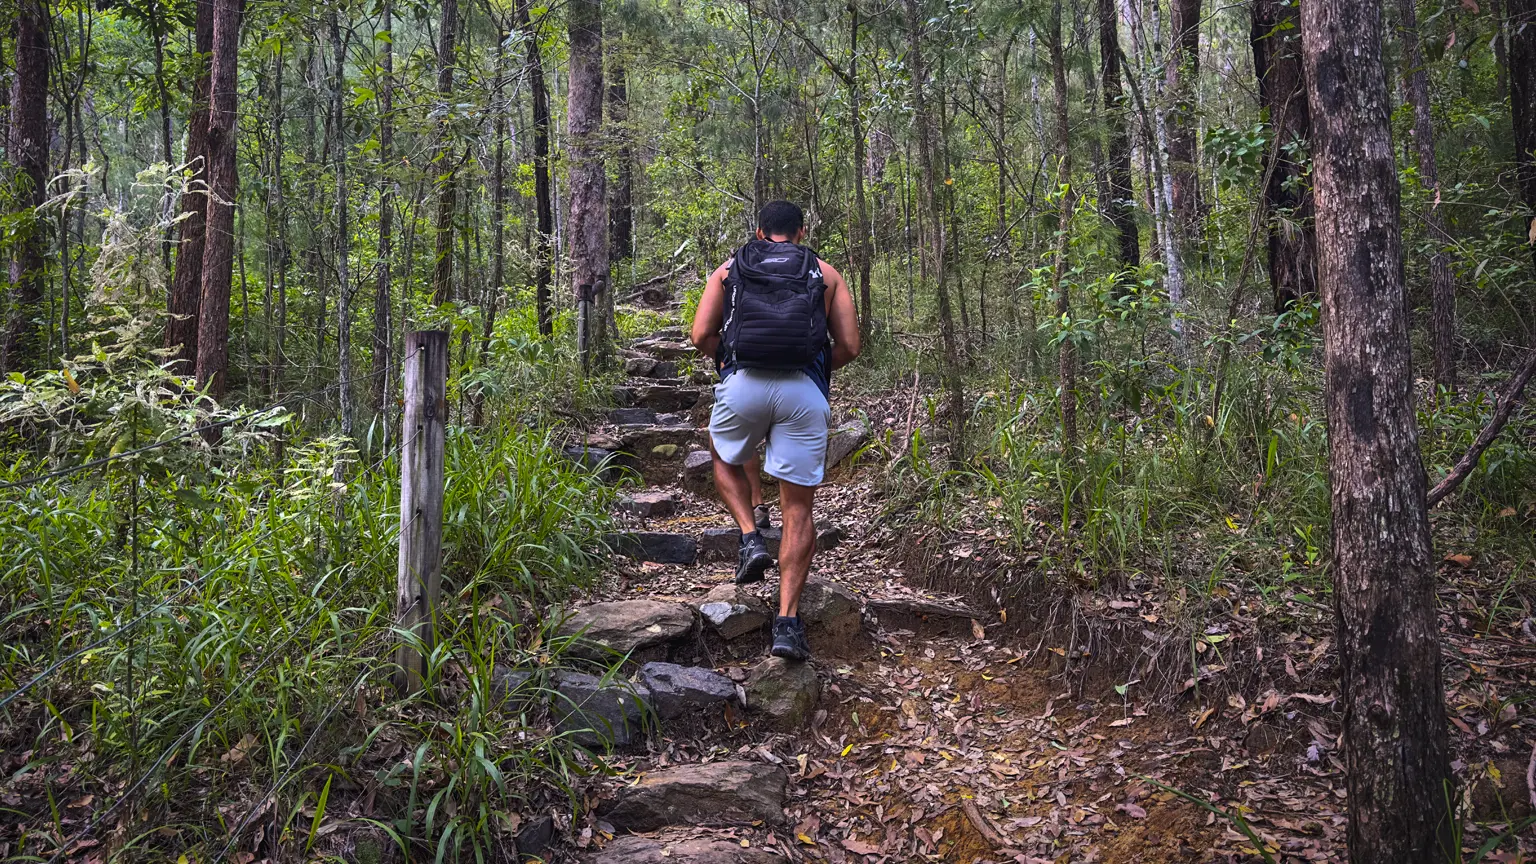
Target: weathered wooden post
(421, 500)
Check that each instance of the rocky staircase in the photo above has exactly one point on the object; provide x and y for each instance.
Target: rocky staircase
(693, 659)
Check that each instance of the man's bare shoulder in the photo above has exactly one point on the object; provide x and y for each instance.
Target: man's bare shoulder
(830, 273)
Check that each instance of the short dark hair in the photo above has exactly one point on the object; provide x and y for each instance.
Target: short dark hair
(781, 218)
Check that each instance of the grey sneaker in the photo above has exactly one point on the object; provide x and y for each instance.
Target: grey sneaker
(760, 517)
(753, 560)
(789, 640)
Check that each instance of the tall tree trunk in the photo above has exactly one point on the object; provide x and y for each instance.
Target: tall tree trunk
(187, 282)
(1398, 771)
(588, 224)
(1522, 98)
(1276, 38)
(28, 149)
(922, 117)
(443, 163)
(1067, 360)
(382, 341)
(498, 215)
(1500, 51)
(1118, 143)
(218, 246)
(862, 247)
(279, 359)
(343, 247)
(543, 246)
(1183, 76)
(621, 217)
(1442, 327)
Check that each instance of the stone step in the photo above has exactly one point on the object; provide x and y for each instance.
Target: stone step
(641, 439)
(714, 793)
(640, 628)
(722, 544)
(595, 712)
(633, 849)
(734, 612)
(664, 349)
(783, 692)
(699, 473)
(654, 546)
(650, 367)
(610, 466)
(649, 505)
(679, 691)
(615, 712)
(657, 397)
(833, 615)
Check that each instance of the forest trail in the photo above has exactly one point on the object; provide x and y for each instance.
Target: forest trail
(926, 733)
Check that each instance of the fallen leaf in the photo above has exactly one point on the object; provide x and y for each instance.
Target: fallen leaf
(1462, 560)
(859, 847)
(1133, 810)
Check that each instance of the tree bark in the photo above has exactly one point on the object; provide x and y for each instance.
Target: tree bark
(621, 217)
(543, 247)
(1183, 75)
(382, 341)
(1067, 358)
(218, 246)
(921, 116)
(862, 247)
(588, 178)
(1118, 140)
(443, 163)
(1276, 39)
(28, 150)
(187, 282)
(1398, 771)
(1522, 97)
(343, 248)
(1442, 327)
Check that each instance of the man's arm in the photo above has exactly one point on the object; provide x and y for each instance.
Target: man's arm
(842, 318)
(707, 318)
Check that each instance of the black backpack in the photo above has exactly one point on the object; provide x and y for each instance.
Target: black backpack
(775, 307)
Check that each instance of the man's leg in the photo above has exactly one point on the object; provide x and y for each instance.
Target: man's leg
(797, 546)
(754, 469)
(735, 485)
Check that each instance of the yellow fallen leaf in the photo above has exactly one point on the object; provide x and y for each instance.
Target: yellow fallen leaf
(846, 750)
(804, 839)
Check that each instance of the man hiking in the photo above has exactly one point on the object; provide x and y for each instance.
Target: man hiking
(765, 316)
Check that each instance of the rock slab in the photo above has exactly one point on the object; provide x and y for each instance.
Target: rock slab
(830, 612)
(679, 690)
(696, 850)
(716, 793)
(598, 713)
(784, 692)
(733, 612)
(654, 546)
(633, 417)
(649, 505)
(626, 626)
(844, 441)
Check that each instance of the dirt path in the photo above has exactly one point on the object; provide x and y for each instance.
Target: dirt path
(940, 735)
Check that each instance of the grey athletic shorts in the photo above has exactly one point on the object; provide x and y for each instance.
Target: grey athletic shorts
(786, 408)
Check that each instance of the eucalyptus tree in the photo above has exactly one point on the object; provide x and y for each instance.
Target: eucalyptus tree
(27, 149)
(588, 176)
(1442, 319)
(1398, 769)
(1276, 39)
(187, 282)
(219, 232)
